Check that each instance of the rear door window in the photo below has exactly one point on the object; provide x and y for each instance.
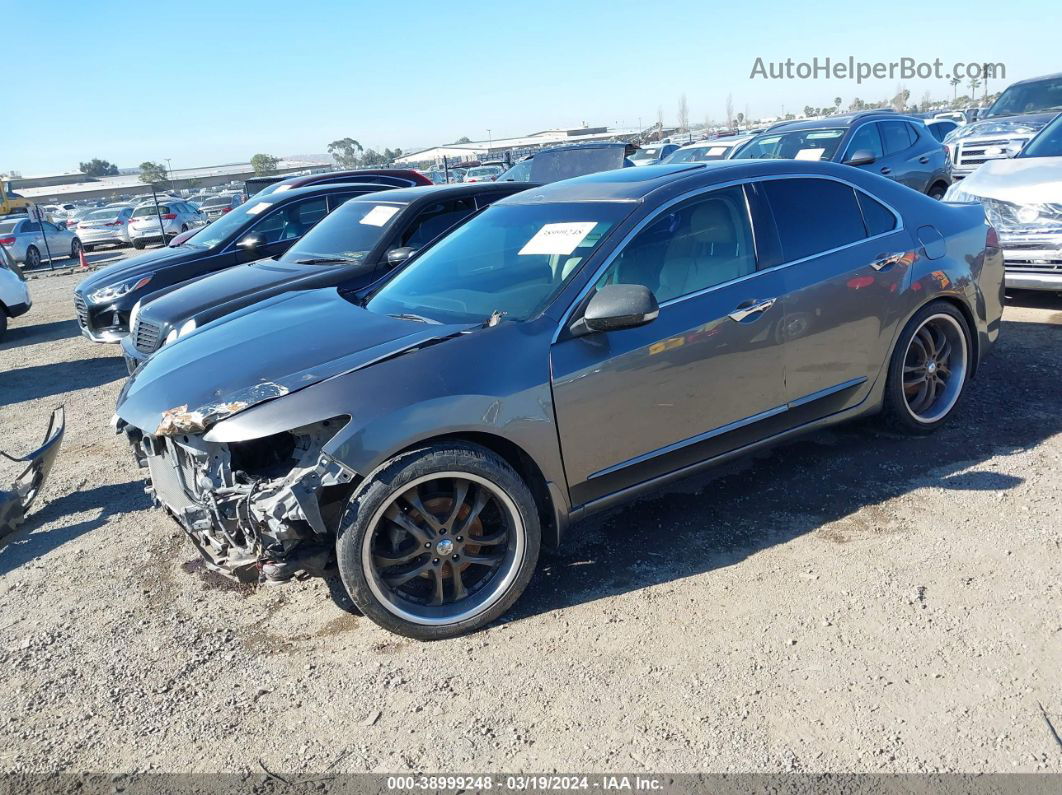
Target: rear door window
(813, 215)
(435, 219)
(897, 136)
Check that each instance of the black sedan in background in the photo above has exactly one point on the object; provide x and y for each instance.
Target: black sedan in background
(354, 246)
(256, 229)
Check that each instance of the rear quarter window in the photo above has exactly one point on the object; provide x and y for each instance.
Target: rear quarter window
(813, 215)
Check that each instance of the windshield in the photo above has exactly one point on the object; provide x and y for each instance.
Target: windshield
(511, 259)
(1038, 97)
(650, 153)
(697, 154)
(795, 145)
(347, 235)
(521, 172)
(148, 210)
(227, 225)
(1048, 143)
(484, 171)
(97, 215)
(217, 201)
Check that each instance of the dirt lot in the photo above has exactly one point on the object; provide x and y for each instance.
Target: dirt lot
(852, 602)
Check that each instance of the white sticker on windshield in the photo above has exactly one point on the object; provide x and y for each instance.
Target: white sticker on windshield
(379, 215)
(261, 207)
(558, 238)
(715, 151)
(809, 154)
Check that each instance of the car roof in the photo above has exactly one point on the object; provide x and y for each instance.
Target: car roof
(400, 173)
(1055, 76)
(835, 122)
(637, 184)
(435, 192)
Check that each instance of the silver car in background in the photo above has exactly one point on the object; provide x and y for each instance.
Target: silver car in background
(217, 206)
(30, 242)
(713, 149)
(177, 216)
(109, 225)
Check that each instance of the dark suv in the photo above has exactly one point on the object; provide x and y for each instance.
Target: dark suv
(883, 142)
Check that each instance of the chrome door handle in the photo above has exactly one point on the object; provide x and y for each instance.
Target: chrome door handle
(886, 261)
(886, 170)
(743, 312)
(923, 160)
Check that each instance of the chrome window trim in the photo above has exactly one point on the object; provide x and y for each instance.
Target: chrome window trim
(566, 317)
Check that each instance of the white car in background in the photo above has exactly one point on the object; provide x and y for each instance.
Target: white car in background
(713, 149)
(177, 216)
(109, 225)
(14, 292)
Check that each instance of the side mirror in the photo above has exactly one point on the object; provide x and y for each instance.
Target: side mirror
(619, 306)
(860, 157)
(397, 256)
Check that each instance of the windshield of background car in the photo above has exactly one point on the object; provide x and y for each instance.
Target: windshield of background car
(1029, 98)
(7, 226)
(148, 210)
(521, 172)
(1048, 143)
(217, 201)
(510, 259)
(698, 154)
(483, 171)
(574, 162)
(1038, 97)
(795, 145)
(649, 153)
(103, 215)
(347, 235)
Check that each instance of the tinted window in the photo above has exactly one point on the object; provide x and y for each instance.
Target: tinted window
(7, 227)
(435, 219)
(290, 222)
(896, 135)
(941, 128)
(696, 245)
(813, 215)
(1048, 143)
(347, 235)
(866, 138)
(795, 145)
(877, 217)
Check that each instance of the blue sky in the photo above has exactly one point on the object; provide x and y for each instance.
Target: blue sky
(121, 81)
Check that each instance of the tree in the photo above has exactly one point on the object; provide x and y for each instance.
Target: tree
(740, 118)
(98, 168)
(264, 164)
(464, 139)
(955, 88)
(974, 85)
(346, 152)
(153, 173)
(729, 110)
(370, 157)
(837, 103)
(809, 111)
(391, 155)
(683, 114)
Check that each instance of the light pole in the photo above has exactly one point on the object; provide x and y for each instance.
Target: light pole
(490, 142)
(169, 172)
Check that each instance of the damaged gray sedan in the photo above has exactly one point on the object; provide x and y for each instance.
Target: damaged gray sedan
(565, 350)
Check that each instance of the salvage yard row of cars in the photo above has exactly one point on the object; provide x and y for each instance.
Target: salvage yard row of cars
(423, 384)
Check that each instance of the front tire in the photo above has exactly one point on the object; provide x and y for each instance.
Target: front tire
(75, 248)
(929, 369)
(439, 541)
(138, 244)
(33, 258)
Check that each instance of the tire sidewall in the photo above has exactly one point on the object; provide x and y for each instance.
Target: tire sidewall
(33, 257)
(392, 476)
(896, 409)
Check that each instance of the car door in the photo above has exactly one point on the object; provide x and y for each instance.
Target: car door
(33, 235)
(695, 382)
(59, 239)
(905, 163)
(845, 257)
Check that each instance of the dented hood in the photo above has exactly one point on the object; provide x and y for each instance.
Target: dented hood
(1021, 180)
(285, 345)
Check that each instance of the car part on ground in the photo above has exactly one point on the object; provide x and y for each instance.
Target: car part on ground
(639, 325)
(1022, 198)
(16, 501)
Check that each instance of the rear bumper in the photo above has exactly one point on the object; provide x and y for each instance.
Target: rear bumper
(93, 238)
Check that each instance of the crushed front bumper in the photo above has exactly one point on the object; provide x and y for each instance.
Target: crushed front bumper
(240, 505)
(16, 501)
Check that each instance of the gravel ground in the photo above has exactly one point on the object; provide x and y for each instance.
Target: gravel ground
(851, 602)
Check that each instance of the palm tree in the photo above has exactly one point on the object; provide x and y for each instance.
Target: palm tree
(955, 89)
(974, 83)
(837, 102)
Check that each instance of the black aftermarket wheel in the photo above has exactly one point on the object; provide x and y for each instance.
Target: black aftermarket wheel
(439, 541)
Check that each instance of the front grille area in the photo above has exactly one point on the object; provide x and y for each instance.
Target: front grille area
(81, 308)
(971, 154)
(145, 336)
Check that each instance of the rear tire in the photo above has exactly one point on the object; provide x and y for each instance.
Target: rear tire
(439, 542)
(138, 244)
(75, 248)
(929, 370)
(33, 258)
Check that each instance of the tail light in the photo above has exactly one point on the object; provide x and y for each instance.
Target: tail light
(991, 238)
(7, 241)
(114, 223)
(225, 210)
(169, 216)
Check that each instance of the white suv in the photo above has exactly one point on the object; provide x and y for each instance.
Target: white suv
(177, 216)
(14, 293)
